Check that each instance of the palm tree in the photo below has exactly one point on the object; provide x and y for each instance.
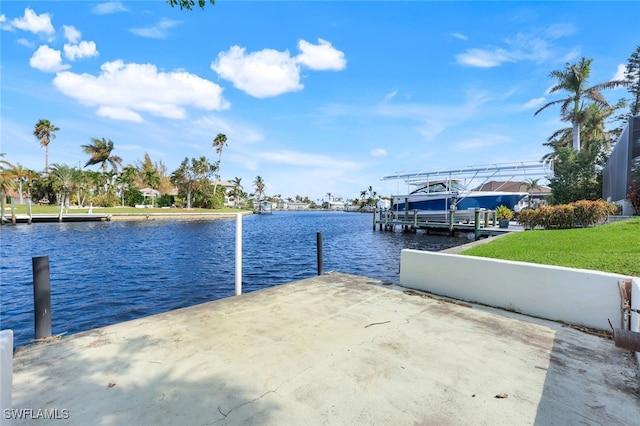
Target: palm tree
(126, 180)
(64, 179)
(7, 182)
(218, 143)
(592, 132)
(236, 190)
(22, 175)
(44, 131)
(151, 178)
(573, 79)
(100, 153)
(258, 183)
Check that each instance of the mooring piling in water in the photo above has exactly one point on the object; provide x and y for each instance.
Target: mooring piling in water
(319, 252)
(42, 297)
(238, 254)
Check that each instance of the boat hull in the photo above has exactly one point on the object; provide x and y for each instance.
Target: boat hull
(441, 203)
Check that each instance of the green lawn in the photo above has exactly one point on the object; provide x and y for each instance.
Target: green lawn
(613, 247)
(37, 209)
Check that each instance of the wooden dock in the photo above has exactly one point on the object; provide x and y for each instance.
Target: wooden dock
(48, 218)
(482, 223)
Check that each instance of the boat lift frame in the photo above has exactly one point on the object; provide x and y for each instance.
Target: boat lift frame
(499, 171)
(503, 171)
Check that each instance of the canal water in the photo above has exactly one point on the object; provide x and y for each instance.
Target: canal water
(108, 272)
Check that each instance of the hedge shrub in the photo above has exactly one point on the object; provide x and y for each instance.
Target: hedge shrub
(581, 213)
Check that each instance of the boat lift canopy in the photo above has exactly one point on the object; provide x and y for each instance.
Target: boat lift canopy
(503, 171)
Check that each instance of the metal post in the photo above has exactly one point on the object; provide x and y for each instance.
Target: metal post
(42, 297)
(319, 251)
(238, 254)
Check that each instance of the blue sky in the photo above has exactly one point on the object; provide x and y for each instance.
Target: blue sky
(314, 97)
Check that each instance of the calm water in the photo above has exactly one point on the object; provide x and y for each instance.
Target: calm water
(107, 272)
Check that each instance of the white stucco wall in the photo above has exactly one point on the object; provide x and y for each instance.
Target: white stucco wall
(6, 374)
(635, 304)
(575, 296)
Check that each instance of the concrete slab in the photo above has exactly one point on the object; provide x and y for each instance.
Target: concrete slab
(335, 349)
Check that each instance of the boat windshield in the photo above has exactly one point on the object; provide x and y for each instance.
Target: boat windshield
(438, 186)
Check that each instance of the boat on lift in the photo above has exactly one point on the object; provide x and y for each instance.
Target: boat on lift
(433, 195)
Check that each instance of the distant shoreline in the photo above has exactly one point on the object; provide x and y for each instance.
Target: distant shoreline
(178, 216)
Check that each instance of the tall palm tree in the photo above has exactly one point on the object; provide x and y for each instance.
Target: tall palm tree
(45, 131)
(99, 151)
(592, 132)
(218, 143)
(574, 80)
(258, 183)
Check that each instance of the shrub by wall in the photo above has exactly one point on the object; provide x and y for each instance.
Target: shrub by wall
(579, 213)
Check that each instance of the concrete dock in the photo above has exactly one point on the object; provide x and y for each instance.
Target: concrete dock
(337, 350)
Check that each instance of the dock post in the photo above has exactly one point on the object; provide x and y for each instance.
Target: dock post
(238, 254)
(452, 217)
(476, 224)
(41, 297)
(13, 213)
(319, 251)
(415, 220)
(486, 219)
(381, 216)
(374, 218)
(30, 218)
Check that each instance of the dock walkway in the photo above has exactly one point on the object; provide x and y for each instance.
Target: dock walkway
(334, 349)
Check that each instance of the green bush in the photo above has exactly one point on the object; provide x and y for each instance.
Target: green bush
(580, 213)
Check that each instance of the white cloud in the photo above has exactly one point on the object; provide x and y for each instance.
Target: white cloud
(460, 36)
(26, 43)
(47, 59)
(121, 113)
(269, 72)
(534, 103)
(260, 74)
(34, 23)
(619, 75)
(71, 34)
(109, 7)
(378, 152)
(83, 50)
(125, 91)
(322, 56)
(159, 30)
(483, 58)
(532, 46)
(390, 95)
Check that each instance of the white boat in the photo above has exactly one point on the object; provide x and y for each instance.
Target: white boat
(433, 195)
(262, 207)
(434, 200)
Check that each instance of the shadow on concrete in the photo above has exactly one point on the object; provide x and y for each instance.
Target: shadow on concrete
(590, 381)
(99, 377)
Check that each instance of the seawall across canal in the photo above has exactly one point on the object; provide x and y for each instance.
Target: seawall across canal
(333, 349)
